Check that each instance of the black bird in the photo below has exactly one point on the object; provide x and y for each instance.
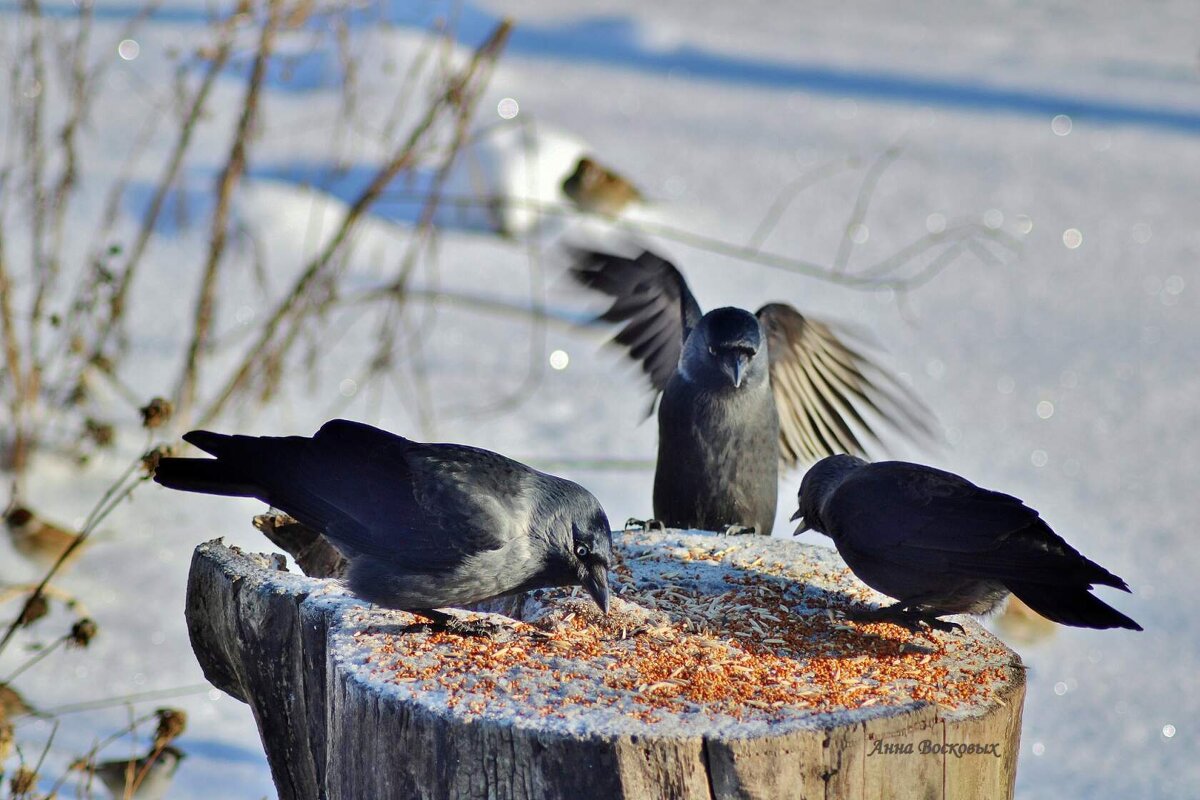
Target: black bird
(741, 392)
(940, 545)
(423, 526)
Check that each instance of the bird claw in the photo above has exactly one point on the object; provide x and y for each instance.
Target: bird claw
(942, 625)
(739, 530)
(908, 619)
(440, 622)
(635, 524)
(476, 628)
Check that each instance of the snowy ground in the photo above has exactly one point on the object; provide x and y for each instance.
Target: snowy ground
(1066, 375)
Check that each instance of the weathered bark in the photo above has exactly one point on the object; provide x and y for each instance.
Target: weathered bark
(337, 723)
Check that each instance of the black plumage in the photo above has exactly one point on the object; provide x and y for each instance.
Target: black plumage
(741, 392)
(423, 526)
(939, 544)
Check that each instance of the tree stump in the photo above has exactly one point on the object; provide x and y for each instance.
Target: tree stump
(723, 671)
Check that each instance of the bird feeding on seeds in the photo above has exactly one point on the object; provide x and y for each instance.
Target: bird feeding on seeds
(741, 392)
(939, 544)
(422, 526)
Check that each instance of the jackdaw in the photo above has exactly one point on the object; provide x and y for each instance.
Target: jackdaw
(741, 392)
(940, 545)
(423, 526)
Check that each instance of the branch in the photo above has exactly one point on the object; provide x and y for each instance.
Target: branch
(235, 166)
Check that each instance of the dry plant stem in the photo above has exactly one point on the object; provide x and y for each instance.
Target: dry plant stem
(869, 278)
(536, 371)
(35, 154)
(90, 756)
(232, 172)
(37, 657)
(115, 494)
(15, 369)
(401, 159)
(788, 194)
(187, 128)
(424, 237)
(409, 84)
(862, 201)
(139, 697)
(80, 85)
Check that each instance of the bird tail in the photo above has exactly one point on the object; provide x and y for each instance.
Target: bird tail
(207, 475)
(1071, 605)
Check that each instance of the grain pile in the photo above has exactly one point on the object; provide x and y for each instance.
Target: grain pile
(737, 633)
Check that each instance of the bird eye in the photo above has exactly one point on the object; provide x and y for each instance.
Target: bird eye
(582, 550)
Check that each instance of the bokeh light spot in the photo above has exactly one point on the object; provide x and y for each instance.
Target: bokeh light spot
(508, 108)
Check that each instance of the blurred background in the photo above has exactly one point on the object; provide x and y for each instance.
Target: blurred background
(267, 214)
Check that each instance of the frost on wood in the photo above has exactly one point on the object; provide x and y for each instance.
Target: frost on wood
(723, 671)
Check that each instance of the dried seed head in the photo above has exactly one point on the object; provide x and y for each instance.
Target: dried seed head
(102, 433)
(34, 610)
(102, 363)
(18, 517)
(151, 458)
(156, 413)
(172, 722)
(23, 781)
(82, 633)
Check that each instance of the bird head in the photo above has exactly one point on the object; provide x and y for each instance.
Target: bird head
(817, 487)
(723, 349)
(591, 554)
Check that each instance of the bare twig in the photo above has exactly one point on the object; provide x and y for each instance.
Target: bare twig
(866, 193)
(36, 161)
(235, 165)
(115, 494)
(216, 64)
(788, 194)
(402, 158)
(139, 697)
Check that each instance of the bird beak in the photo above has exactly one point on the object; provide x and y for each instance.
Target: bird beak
(735, 367)
(803, 526)
(596, 582)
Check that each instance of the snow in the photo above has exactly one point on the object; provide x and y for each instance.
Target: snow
(711, 111)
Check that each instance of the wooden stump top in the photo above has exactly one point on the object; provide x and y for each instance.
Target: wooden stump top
(723, 670)
(711, 635)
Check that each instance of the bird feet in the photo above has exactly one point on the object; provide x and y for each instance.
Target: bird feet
(739, 530)
(635, 524)
(441, 622)
(908, 618)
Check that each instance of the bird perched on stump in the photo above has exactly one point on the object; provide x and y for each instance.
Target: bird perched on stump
(741, 392)
(423, 526)
(939, 545)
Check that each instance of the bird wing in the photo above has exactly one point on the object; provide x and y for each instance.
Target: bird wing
(651, 298)
(929, 519)
(425, 506)
(821, 386)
